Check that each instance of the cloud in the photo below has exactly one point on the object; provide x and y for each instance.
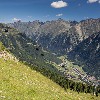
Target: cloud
(59, 4)
(93, 1)
(29, 16)
(59, 15)
(16, 19)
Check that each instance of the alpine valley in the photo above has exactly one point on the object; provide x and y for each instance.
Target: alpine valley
(43, 60)
(79, 42)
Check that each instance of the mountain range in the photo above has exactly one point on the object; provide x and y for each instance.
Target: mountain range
(66, 52)
(78, 40)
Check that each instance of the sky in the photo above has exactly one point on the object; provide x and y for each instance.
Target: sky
(44, 10)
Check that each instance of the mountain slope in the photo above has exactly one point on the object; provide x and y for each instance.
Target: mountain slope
(88, 54)
(31, 53)
(59, 36)
(62, 37)
(47, 34)
(26, 49)
(18, 81)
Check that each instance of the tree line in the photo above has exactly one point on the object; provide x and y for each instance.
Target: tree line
(64, 82)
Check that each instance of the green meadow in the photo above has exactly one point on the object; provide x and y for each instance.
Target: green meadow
(20, 82)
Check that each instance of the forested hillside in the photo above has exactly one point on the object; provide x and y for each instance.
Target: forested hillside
(19, 81)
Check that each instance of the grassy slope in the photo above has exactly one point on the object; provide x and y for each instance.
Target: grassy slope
(19, 82)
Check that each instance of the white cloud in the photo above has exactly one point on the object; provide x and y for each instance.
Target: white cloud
(59, 4)
(29, 16)
(93, 1)
(59, 15)
(16, 19)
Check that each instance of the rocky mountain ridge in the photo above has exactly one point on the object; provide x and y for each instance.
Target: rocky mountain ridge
(58, 35)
